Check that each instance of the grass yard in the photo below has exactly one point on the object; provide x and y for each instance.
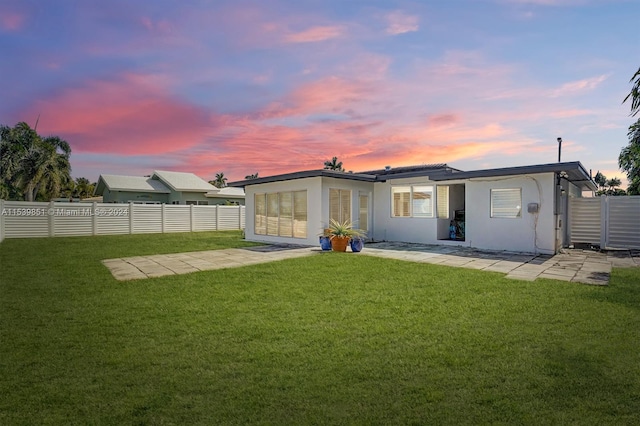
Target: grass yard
(328, 339)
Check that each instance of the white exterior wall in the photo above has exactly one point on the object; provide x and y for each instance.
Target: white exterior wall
(405, 229)
(313, 186)
(356, 188)
(481, 231)
(533, 233)
(518, 234)
(317, 205)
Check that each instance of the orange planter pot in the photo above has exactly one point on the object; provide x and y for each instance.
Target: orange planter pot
(339, 243)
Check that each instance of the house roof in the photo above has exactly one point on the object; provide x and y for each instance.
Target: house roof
(183, 182)
(226, 192)
(423, 168)
(305, 174)
(573, 171)
(129, 184)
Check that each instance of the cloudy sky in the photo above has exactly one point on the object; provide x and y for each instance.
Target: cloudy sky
(277, 86)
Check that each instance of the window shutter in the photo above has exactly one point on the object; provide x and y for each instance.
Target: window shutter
(345, 205)
(272, 214)
(334, 204)
(506, 203)
(400, 201)
(363, 213)
(285, 214)
(260, 214)
(300, 214)
(442, 200)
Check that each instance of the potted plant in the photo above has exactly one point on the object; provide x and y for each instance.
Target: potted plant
(341, 233)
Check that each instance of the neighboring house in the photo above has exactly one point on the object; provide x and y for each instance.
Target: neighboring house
(165, 187)
(515, 208)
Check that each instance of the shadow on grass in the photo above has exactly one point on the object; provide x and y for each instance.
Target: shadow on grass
(623, 289)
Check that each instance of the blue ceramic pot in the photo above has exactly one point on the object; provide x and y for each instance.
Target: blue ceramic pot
(325, 243)
(356, 244)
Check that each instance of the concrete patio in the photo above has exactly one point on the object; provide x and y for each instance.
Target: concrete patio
(581, 266)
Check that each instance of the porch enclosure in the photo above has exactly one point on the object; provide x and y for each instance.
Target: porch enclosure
(608, 222)
(20, 219)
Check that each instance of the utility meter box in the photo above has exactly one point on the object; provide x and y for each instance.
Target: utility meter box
(533, 207)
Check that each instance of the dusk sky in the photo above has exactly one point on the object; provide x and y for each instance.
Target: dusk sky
(278, 86)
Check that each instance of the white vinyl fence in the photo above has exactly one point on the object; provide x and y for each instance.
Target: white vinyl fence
(608, 222)
(21, 219)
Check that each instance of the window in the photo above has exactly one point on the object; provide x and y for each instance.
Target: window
(412, 201)
(442, 201)
(194, 203)
(282, 214)
(300, 214)
(401, 196)
(260, 214)
(506, 203)
(363, 214)
(272, 213)
(339, 204)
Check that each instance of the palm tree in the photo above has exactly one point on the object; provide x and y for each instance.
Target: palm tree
(254, 176)
(33, 165)
(333, 164)
(634, 95)
(629, 159)
(601, 180)
(220, 181)
(83, 188)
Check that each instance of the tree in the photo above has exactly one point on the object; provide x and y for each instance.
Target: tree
(601, 180)
(634, 94)
(220, 181)
(254, 176)
(32, 166)
(333, 164)
(83, 188)
(629, 159)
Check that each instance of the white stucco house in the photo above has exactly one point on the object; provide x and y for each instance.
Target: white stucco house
(515, 208)
(165, 187)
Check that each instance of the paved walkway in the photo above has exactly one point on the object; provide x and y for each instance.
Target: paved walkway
(583, 266)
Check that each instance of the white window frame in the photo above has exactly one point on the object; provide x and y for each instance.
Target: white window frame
(294, 225)
(506, 203)
(344, 204)
(415, 200)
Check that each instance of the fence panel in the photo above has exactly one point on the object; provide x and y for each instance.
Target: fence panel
(177, 218)
(585, 220)
(112, 219)
(25, 220)
(609, 222)
(205, 218)
(72, 219)
(22, 219)
(624, 222)
(147, 218)
(228, 218)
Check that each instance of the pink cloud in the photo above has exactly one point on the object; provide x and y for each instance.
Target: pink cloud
(315, 34)
(130, 115)
(11, 21)
(574, 87)
(400, 23)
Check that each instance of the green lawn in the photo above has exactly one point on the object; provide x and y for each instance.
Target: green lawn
(332, 338)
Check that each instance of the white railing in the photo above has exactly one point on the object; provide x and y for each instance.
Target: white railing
(21, 219)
